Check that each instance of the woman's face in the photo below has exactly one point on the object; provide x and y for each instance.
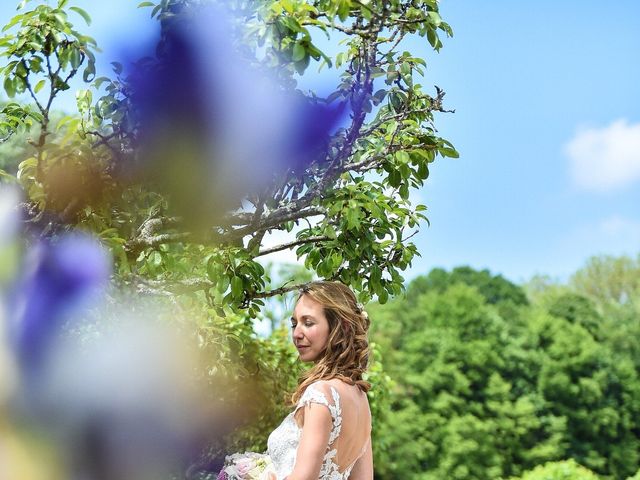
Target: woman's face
(310, 329)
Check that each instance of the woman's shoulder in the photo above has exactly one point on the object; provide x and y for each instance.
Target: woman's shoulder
(330, 384)
(342, 386)
(327, 391)
(335, 388)
(320, 387)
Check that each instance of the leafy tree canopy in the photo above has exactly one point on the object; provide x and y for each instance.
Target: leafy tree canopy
(566, 470)
(487, 392)
(495, 288)
(346, 212)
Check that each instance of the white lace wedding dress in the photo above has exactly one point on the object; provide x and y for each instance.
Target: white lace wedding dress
(350, 434)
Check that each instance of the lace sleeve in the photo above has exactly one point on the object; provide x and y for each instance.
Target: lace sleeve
(327, 395)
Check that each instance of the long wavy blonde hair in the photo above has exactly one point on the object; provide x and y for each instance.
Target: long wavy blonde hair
(347, 354)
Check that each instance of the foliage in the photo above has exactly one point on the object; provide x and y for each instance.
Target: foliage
(482, 391)
(565, 470)
(494, 288)
(609, 280)
(578, 310)
(348, 215)
(607, 287)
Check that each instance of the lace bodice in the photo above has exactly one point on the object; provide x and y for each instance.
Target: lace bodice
(283, 441)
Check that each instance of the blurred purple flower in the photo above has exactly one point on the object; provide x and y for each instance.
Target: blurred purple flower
(60, 275)
(125, 401)
(8, 215)
(212, 126)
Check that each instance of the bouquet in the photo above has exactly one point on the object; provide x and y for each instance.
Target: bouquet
(248, 466)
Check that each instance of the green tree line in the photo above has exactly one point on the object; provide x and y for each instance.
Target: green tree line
(495, 380)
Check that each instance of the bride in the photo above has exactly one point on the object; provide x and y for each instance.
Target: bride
(327, 435)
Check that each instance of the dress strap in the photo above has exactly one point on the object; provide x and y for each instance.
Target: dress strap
(314, 394)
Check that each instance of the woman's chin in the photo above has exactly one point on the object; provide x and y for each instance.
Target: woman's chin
(306, 358)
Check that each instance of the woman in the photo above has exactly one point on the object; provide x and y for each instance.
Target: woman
(327, 436)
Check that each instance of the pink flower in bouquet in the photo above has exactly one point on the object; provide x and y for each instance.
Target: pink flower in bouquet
(244, 466)
(240, 467)
(248, 466)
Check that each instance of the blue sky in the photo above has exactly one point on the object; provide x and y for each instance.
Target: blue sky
(547, 123)
(526, 80)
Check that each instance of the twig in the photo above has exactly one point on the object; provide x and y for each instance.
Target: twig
(295, 243)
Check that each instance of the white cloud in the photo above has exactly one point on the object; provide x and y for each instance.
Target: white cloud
(603, 159)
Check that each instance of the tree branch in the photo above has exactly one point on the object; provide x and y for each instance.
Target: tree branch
(146, 237)
(295, 243)
(278, 291)
(32, 93)
(284, 214)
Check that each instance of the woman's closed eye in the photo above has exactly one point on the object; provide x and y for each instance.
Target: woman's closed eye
(306, 323)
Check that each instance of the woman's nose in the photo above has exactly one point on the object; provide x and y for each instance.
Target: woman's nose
(297, 332)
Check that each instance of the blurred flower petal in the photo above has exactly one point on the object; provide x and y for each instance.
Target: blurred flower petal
(214, 128)
(127, 398)
(61, 274)
(8, 215)
(9, 243)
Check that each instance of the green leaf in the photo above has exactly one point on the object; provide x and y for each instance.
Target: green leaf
(97, 83)
(449, 152)
(423, 171)
(75, 58)
(287, 5)
(383, 296)
(39, 85)
(212, 270)
(13, 21)
(299, 52)
(378, 97)
(82, 13)
(155, 10)
(344, 9)
(35, 63)
(146, 4)
(366, 12)
(433, 38)
(89, 72)
(292, 24)
(61, 19)
(223, 283)
(435, 18)
(302, 65)
(403, 157)
(9, 87)
(394, 178)
(236, 287)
